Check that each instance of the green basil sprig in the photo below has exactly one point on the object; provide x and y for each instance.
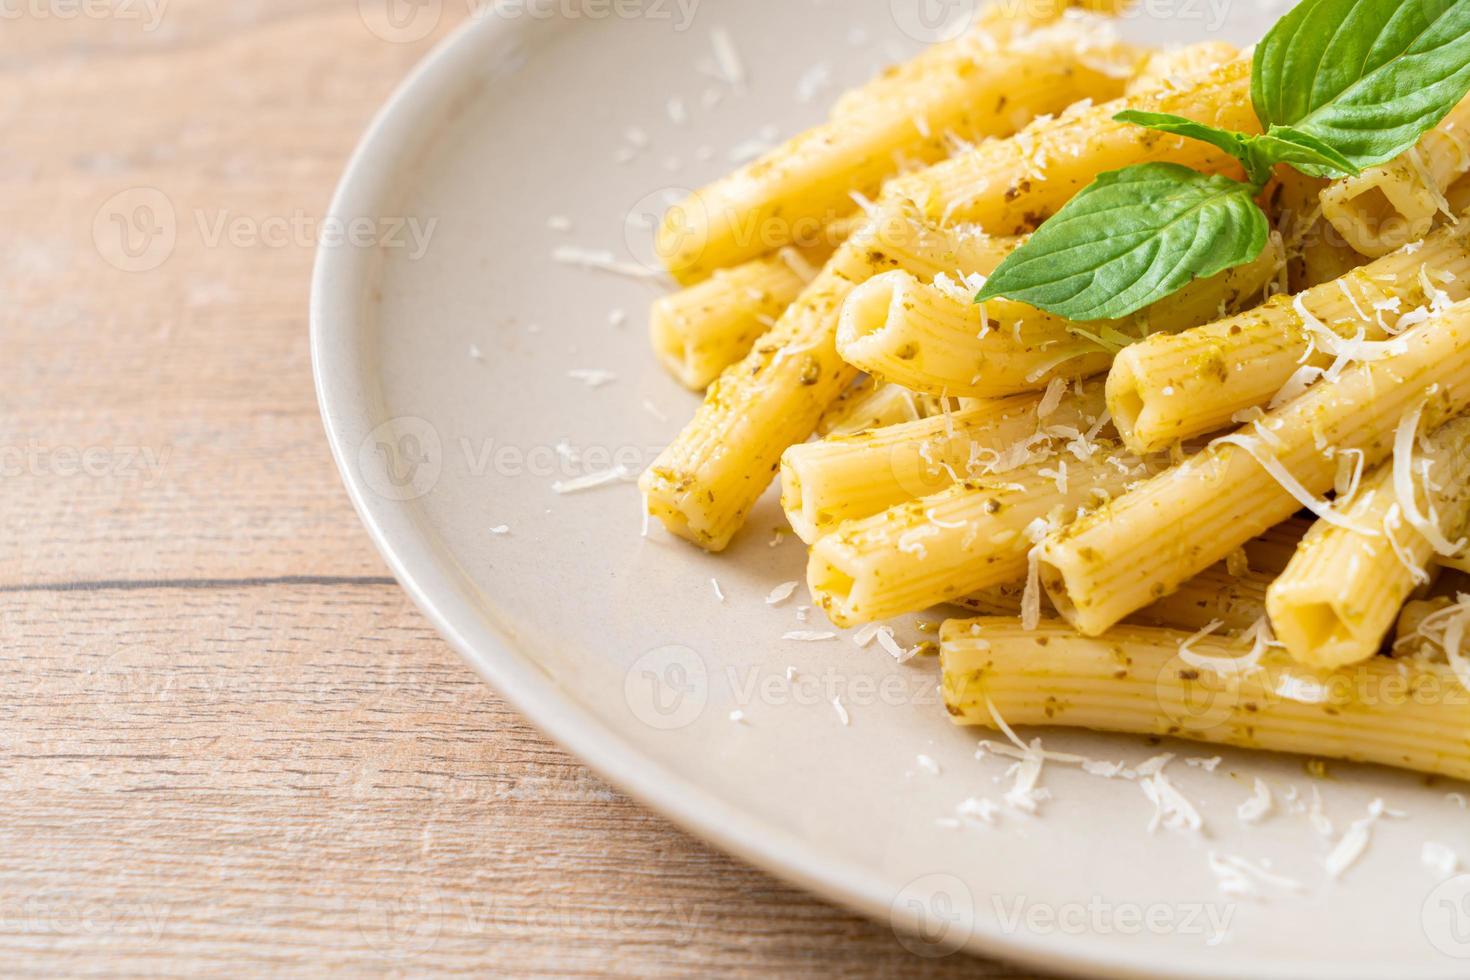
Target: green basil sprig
(1338, 85)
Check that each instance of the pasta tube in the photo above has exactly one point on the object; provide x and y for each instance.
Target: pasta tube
(1144, 545)
(1409, 713)
(938, 340)
(842, 479)
(997, 22)
(1459, 563)
(706, 481)
(1215, 597)
(1234, 603)
(1173, 387)
(1315, 251)
(1408, 635)
(959, 541)
(1011, 186)
(699, 331)
(870, 405)
(1274, 550)
(989, 82)
(1165, 70)
(1388, 206)
(1338, 600)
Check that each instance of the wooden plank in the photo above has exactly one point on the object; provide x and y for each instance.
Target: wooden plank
(302, 778)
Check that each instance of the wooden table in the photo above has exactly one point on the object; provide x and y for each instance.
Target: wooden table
(228, 742)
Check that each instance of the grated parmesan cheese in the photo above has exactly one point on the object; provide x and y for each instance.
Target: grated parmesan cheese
(1036, 533)
(812, 81)
(781, 593)
(1273, 466)
(842, 714)
(976, 809)
(1439, 858)
(591, 481)
(1171, 808)
(1238, 877)
(1253, 809)
(727, 57)
(894, 649)
(592, 377)
(1403, 482)
(600, 261)
(1355, 841)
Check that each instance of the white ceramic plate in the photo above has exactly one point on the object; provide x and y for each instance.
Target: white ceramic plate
(617, 645)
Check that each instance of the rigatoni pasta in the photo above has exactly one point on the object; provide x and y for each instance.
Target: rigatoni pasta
(1009, 187)
(1315, 251)
(1406, 713)
(1217, 598)
(1143, 546)
(939, 340)
(1173, 67)
(1337, 601)
(867, 404)
(1173, 387)
(844, 478)
(1388, 206)
(959, 541)
(703, 329)
(702, 486)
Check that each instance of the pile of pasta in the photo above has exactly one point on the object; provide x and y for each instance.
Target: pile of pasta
(1237, 516)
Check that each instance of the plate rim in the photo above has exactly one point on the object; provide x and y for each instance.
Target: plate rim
(344, 378)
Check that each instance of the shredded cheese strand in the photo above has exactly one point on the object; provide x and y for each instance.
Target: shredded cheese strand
(1403, 483)
(1291, 485)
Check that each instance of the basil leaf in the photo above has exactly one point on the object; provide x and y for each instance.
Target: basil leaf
(1305, 152)
(1368, 77)
(1130, 238)
(1236, 144)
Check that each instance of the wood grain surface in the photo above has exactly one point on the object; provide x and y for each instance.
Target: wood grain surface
(228, 743)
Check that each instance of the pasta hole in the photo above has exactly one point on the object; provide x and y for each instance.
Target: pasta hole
(1319, 625)
(832, 588)
(1127, 408)
(867, 310)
